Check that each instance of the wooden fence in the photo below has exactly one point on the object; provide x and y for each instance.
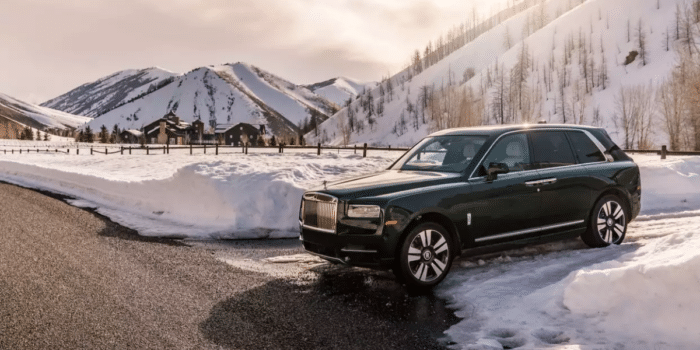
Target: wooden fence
(216, 149)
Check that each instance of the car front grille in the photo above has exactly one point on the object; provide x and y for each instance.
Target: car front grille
(319, 211)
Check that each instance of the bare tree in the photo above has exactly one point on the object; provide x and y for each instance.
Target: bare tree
(672, 104)
(634, 115)
(641, 42)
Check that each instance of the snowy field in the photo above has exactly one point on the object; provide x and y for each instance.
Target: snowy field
(640, 295)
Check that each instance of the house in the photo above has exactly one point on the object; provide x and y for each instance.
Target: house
(168, 130)
(9, 129)
(235, 135)
(130, 136)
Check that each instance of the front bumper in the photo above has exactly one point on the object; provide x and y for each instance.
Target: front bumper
(373, 251)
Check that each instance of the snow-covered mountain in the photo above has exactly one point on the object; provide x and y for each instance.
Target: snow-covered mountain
(562, 61)
(37, 117)
(97, 97)
(222, 94)
(339, 90)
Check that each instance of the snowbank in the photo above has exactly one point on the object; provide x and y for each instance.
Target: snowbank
(640, 295)
(203, 196)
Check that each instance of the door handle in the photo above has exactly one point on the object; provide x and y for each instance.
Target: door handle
(540, 182)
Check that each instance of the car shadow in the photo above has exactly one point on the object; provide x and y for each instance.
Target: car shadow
(343, 308)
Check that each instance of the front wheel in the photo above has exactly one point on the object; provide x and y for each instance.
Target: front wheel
(425, 257)
(608, 223)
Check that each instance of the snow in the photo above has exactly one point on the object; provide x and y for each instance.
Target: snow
(600, 22)
(51, 118)
(638, 295)
(227, 94)
(231, 195)
(339, 90)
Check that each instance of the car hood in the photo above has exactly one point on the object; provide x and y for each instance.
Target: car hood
(385, 182)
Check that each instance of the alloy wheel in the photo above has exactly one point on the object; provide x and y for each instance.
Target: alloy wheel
(611, 222)
(428, 255)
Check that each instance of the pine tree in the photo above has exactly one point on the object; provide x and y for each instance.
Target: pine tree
(89, 136)
(103, 135)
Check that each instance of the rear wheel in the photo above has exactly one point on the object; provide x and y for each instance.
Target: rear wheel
(426, 256)
(608, 223)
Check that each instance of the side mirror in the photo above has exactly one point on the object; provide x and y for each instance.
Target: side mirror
(495, 169)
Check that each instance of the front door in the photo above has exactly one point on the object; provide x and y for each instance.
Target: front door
(507, 206)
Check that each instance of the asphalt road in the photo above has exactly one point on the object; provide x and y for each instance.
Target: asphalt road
(72, 279)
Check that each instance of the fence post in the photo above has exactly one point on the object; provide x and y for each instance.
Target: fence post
(364, 151)
(355, 149)
(217, 150)
(77, 151)
(205, 148)
(190, 149)
(163, 149)
(663, 152)
(68, 151)
(168, 145)
(280, 148)
(129, 150)
(90, 150)
(147, 150)
(246, 148)
(121, 150)
(318, 151)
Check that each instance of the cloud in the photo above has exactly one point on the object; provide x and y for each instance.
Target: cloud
(56, 45)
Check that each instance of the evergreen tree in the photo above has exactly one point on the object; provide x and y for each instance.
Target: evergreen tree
(103, 134)
(89, 136)
(115, 138)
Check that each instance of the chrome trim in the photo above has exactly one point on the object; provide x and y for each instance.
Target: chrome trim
(541, 182)
(330, 258)
(322, 198)
(531, 230)
(369, 251)
(318, 229)
(590, 136)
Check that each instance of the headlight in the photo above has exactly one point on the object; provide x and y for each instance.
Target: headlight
(364, 211)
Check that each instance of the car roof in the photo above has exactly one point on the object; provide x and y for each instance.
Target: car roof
(490, 130)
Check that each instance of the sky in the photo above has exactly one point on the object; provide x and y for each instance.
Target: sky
(49, 47)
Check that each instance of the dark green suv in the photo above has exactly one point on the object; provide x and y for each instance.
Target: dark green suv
(470, 188)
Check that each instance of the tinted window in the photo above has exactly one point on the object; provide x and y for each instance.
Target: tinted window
(584, 148)
(551, 149)
(511, 150)
(442, 153)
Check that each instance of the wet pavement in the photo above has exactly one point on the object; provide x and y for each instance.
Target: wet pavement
(315, 304)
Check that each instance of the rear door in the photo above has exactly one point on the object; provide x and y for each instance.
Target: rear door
(565, 195)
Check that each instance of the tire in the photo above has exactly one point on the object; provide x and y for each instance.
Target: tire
(425, 257)
(607, 224)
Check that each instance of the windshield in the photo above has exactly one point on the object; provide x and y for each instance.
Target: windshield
(441, 153)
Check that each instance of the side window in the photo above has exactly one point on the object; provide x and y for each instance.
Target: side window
(513, 150)
(551, 149)
(584, 148)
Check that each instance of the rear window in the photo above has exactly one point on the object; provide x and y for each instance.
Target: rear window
(584, 148)
(551, 149)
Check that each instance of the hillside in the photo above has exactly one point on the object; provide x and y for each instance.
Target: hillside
(339, 90)
(97, 97)
(560, 61)
(224, 94)
(37, 117)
